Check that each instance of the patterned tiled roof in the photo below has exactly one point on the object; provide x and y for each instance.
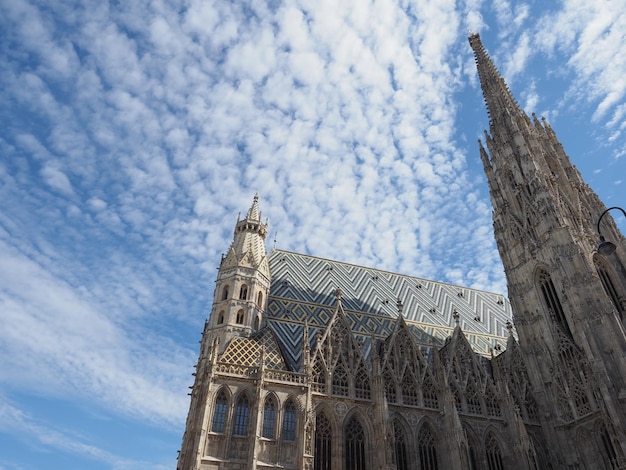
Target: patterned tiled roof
(303, 289)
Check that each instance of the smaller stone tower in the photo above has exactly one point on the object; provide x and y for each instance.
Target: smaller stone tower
(243, 282)
(241, 291)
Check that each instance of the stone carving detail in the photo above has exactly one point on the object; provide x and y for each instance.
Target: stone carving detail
(341, 408)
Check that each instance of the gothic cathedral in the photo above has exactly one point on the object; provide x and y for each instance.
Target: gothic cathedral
(309, 363)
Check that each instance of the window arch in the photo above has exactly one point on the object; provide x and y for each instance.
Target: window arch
(427, 449)
(607, 284)
(552, 301)
(362, 384)
(289, 421)
(471, 448)
(409, 390)
(243, 292)
(240, 317)
(269, 417)
(354, 445)
(430, 393)
(472, 400)
(494, 454)
(340, 381)
(242, 414)
(225, 293)
(219, 411)
(401, 454)
(323, 443)
(220, 318)
(319, 376)
(259, 300)
(608, 448)
(390, 387)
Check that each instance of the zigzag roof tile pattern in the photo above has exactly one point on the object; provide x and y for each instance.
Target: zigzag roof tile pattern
(303, 289)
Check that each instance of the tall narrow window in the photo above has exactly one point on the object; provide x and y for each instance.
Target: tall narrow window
(259, 300)
(243, 292)
(354, 448)
(494, 454)
(430, 393)
(472, 400)
(401, 455)
(552, 301)
(362, 384)
(220, 318)
(225, 293)
(242, 413)
(319, 377)
(390, 387)
(323, 443)
(409, 390)
(608, 285)
(427, 449)
(289, 421)
(269, 417)
(607, 446)
(240, 317)
(340, 381)
(219, 412)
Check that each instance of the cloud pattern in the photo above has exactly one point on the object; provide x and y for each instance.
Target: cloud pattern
(134, 132)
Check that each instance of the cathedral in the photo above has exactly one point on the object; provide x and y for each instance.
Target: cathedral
(309, 363)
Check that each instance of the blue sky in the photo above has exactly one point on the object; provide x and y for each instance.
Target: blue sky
(132, 134)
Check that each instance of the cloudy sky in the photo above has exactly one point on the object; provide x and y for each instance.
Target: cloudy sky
(132, 133)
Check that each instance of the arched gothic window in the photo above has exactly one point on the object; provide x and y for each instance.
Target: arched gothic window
(472, 400)
(362, 384)
(608, 285)
(242, 413)
(269, 417)
(220, 318)
(243, 292)
(259, 299)
(319, 376)
(240, 316)
(289, 421)
(430, 393)
(552, 301)
(607, 447)
(340, 381)
(323, 443)
(225, 293)
(494, 454)
(471, 449)
(409, 390)
(390, 387)
(427, 449)
(354, 445)
(401, 454)
(219, 412)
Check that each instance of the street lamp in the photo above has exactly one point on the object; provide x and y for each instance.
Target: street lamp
(605, 247)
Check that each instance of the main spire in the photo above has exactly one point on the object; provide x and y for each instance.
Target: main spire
(501, 105)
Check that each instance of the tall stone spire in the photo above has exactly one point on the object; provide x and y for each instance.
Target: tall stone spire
(243, 281)
(566, 297)
(501, 105)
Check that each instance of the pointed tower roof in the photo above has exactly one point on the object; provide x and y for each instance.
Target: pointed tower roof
(248, 247)
(501, 105)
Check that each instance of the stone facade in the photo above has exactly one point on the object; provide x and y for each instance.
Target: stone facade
(308, 363)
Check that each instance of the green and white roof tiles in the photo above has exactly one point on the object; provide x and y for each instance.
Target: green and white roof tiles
(304, 289)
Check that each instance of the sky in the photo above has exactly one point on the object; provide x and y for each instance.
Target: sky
(132, 133)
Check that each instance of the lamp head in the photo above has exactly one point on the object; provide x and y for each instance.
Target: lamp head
(606, 248)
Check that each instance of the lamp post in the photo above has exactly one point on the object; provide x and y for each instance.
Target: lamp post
(605, 247)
